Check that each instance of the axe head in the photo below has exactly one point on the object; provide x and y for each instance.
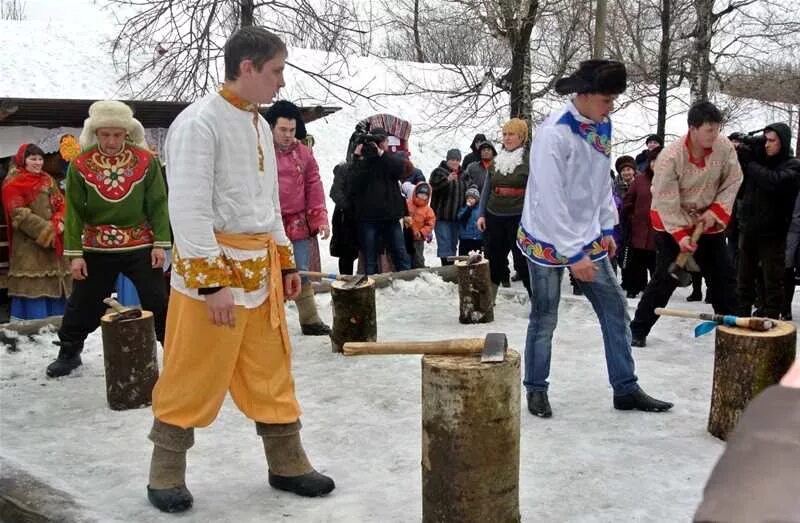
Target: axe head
(354, 281)
(681, 274)
(494, 348)
(474, 258)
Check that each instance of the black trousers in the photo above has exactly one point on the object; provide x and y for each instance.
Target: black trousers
(85, 306)
(499, 238)
(638, 268)
(715, 266)
(761, 258)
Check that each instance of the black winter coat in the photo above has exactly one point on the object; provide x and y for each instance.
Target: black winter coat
(448, 195)
(374, 188)
(769, 191)
(344, 232)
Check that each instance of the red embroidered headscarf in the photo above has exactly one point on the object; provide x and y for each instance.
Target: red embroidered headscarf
(20, 189)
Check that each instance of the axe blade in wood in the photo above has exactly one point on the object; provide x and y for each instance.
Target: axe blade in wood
(121, 312)
(492, 348)
(354, 281)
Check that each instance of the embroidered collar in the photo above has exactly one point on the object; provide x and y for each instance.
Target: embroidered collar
(236, 100)
(699, 162)
(597, 134)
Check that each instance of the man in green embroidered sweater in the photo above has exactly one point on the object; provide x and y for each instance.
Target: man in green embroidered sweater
(116, 223)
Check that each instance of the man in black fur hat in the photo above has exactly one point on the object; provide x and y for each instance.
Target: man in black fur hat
(567, 222)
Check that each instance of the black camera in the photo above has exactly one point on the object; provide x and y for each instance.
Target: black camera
(369, 144)
(751, 147)
(754, 140)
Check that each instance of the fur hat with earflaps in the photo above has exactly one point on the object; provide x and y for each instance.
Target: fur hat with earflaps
(595, 76)
(111, 113)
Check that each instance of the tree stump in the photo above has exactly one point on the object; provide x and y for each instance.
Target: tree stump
(470, 439)
(129, 353)
(476, 303)
(354, 317)
(745, 363)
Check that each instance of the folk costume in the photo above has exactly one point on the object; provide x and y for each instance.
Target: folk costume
(38, 279)
(568, 211)
(683, 188)
(303, 209)
(226, 216)
(116, 214)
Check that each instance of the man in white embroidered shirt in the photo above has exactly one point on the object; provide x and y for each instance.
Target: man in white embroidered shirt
(567, 221)
(232, 268)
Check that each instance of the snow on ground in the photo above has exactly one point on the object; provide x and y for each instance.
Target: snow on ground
(589, 463)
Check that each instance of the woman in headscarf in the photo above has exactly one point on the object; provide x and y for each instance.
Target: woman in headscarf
(38, 278)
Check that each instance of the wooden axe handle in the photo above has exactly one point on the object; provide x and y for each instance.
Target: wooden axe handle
(325, 275)
(696, 234)
(460, 346)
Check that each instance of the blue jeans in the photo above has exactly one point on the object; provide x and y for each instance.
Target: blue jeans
(373, 236)
(446, 238)
(610, 305)
(302, 256)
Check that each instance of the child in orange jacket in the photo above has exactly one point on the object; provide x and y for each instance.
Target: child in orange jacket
(422, 219)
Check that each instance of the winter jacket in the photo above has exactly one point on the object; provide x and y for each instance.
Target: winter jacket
(636, 212)
(423, 219)
(301, 193)
(476, 174)
(473, 155)
(467, 223)
(375, 188)
(503, 193)
(770, 190)
(344, 232)
(448, 195)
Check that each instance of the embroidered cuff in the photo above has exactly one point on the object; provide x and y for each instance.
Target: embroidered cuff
(286, 257)
(73, 254)
(719, 213)
(682, 233)
(607, 232)
(200, 273)
(162, 245)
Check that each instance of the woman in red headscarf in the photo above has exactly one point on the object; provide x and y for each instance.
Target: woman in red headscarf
(38, 278)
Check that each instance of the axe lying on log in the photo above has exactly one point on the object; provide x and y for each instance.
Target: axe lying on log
(492, 348)
(350, 281)
(472, 259)
(684, 264)
(121, 312)
(712, 320)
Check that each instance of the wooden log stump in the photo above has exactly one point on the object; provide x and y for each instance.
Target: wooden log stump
(129, 353)
(470, 439)
(475, 300)
(354, 317)
(745, 363)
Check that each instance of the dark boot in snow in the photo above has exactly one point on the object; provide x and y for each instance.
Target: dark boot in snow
(639, 400)
(289, 468)
(638, 341)
(167, 488)
(539, 405)
(310, 322)
(69, 359)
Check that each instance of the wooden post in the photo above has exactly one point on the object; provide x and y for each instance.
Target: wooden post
(354, 317)
(470, 439)
(129, 353)
(745, 363)
(475, 300)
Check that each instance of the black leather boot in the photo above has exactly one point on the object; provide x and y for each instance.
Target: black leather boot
(539, 405)
(69, 359)
(639, 400)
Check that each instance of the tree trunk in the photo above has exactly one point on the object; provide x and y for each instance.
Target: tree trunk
(354, 317)
(701, 51)
(474, 292)
(599, 45)
(745, 363)
(663, 66)
(520, 95)
(247, 13)
(417, 39)
(470, 439)
(129, 353)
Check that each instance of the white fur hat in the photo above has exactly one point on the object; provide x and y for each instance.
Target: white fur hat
(111, 113)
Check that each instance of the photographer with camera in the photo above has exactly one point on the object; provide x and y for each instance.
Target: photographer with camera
(379, 206)
(771, 179)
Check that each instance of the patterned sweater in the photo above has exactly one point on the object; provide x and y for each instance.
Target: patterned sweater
(115, 203)
(685, 187)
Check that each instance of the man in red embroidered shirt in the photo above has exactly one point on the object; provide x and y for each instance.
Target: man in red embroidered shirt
(696, 180)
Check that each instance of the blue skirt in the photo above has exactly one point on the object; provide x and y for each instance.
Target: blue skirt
(126, 292)
(36, 308)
